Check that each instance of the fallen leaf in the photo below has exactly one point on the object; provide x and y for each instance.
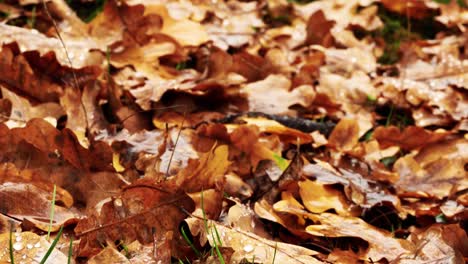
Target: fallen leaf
(249, 246)
(410, 138)
(22, 110)
(318, 198)
(437, 170)
(132, 216)
(381, 243)
(261, 95)
(29, 246)
(345, 135)
(438, 243)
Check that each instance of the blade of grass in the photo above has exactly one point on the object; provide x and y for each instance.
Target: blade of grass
(125, 249)
(12, 257)
(70, 251)
(182, 230)
(52, 246)
(274, 254)
(205, 221)
(32, 21)
(52, 211)
(218, 252)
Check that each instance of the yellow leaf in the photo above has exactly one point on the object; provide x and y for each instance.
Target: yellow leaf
(116, 162)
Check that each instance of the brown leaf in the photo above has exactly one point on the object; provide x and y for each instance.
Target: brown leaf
(32, 201)
(439, 243)
(437, 170)
(318, 198)
(358, 189)
(252, 67)
(144, 211)
(248, 245)
(109, 255)
(318, 30)
(382, 244)
(413, 8)
(272, 95)
(410, 138)
(22, 111)
(27, 40)
(17, 74)
(345, 135)
(205, 173)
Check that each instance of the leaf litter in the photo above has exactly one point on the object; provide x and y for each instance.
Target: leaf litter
(234, 132)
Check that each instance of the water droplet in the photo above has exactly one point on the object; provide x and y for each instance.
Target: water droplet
(18, 246)
(29, 246)
(248, 248)
(24, 256)
(118, 202)
(18, 238)
(38, 244)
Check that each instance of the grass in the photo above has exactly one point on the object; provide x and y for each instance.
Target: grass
(189, 242)
(70, 251)
(52, 211)
(52, 246)
(54, 242)
(32, 21)
(274, 254)
(215, 242)
(12, 257)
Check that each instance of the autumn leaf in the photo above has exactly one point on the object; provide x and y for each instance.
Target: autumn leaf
(233, 131)
(30, 246)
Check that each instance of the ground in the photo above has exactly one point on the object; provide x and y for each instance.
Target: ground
(273, 131)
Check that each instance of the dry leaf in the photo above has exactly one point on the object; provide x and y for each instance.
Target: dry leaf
(249, 246)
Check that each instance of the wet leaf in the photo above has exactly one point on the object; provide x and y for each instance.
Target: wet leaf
(28, 246)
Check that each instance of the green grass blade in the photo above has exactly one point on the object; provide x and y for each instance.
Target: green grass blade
(217, 236)
(70, 251)
(12, 257)
(218, 252)
(52, 246)
(182, 230)
(52, 211)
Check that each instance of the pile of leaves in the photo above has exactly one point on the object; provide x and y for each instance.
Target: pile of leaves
(273, 131)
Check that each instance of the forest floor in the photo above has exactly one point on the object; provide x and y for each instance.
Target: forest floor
(273, 131)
